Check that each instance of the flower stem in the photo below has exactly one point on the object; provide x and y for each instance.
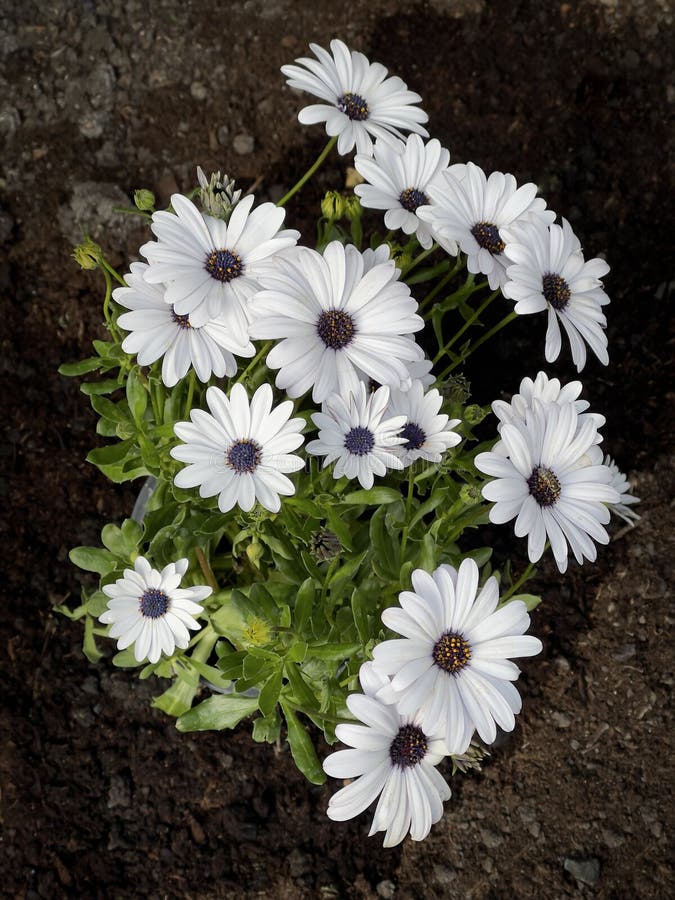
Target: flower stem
(418, 259)
(527, 574)
(486, 337)
(207, 571)
(469, 322)
(406, 527)
(190, 394)
(112, 271)
(308, 174)
(441, 284)
(256, 359)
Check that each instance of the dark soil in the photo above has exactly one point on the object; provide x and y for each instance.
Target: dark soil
(101, 797)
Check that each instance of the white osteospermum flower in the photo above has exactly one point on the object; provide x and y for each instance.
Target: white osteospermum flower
(477, 212)
(399, 175)
(156, 330)
(547, 390)
(361, 102)
(240, 451)
(549, 273)
(623, 487)
(550, 484)
(148, 609)
(356, 434)
(390, 757)
(211, 267)
(337, 314)
(452, 667)
(427, 432)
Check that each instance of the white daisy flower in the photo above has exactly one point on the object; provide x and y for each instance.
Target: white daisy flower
(361, 102)
(399, 175)
(356, 434)
(391, 757)
(427, 432)
(240, 451)
(623, 487)
(549, 273)
(148, 609)
(337, 314)
(211, 267)
(549, 483)
(156, 330)
(452, 668)
(547, 390)
(477, 212)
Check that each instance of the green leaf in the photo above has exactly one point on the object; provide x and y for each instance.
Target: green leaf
(125, 659)
(374, 497)
(302, 693)
(211, 674)
(267, 729)
(231, 664)
(80, 368)
(177, 700)
(217, 713)
(333, 651)
(116, 412)
(89, 646)
(92, 559)
(385, 544)
(349, 569)
(137, 396)
(269, 693)
(360, 613)
(97, 603)
(531, 601)
(302, 748)
(111, 454)
(304, 602)
(99, 387)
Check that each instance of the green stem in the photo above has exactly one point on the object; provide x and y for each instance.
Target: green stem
(418, 259)
(112, 271)
(207, 571)
(316, 714)
(406, 527)
(469, 322)
(441, 284)
(264, 350)
(527, 574)
(308, 174)
(486, 337)
(190, 394)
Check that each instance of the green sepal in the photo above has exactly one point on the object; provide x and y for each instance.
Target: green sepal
(217, 713)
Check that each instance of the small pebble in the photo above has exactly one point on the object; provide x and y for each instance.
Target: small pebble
(584, 870)
(198, 90)
(386, 889)
(243, 144)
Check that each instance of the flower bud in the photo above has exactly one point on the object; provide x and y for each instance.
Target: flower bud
(353, 208)
(87, 254)
(144, 200)
(456, 389)
(473, 414)
(325, 545)
(217, 194)
(470, 494)
(333, 206)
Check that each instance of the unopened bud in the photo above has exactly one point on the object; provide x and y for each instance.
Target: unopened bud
(333, 206)
(87, 254)
(353, 208)
(325, 545)
(456, 389)
(144, 200)
(473, 414)
(217, 194)
(470, 494)
(254, 552)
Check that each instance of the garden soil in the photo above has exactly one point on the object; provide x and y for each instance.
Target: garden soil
(101, 796)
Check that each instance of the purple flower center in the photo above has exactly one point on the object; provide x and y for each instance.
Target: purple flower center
(487, 237)
(154, 603)
(353, 106)
(224, 265)
(451, 652)
(181, 321)
(359, 441)
(409, 747)
(544, 486)
(414, 436)
(244, 456)
(336, 328)
(556, 291)
(411, 198)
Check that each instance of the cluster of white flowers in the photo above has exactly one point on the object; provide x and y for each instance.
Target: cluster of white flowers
(344, 324)
(425, 694)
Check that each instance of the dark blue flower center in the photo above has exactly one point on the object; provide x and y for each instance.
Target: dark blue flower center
(409, 747)
(181, 321)
(336, 328)
(244, 456)
(487, 237)
(354, 106)
(154, 603)
(224, 265)
(414, 436)
(451, 652)
(411, 198)
(359, 441)
(544, 486)
(556, 291)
